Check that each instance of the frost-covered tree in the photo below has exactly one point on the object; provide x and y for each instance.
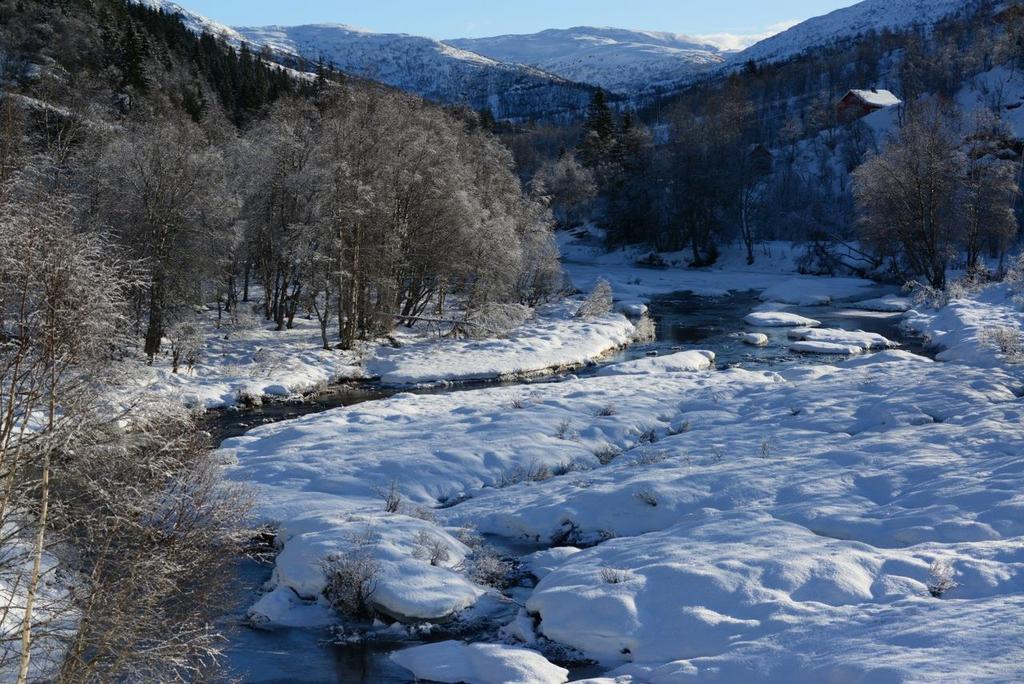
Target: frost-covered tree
(907, 195)
(929, 194)
(160, 186)
(570, 188)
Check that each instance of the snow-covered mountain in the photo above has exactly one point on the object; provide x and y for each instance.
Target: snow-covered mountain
(848, 23)
(618, 60)
(426, 67)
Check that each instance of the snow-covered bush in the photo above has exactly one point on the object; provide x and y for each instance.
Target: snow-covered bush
(535, 472)
(607, 453)
(646, 434)
(564, 430)
(598, 302)
(430, 548)
(391, 496)
(351, 580)
(647, 496)
(1007, 340)
(648, 458)
(645, 329)
(187, 342)
(940, 578)
(614, 576)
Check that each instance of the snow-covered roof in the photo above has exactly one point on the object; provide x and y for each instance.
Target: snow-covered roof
(877, 98)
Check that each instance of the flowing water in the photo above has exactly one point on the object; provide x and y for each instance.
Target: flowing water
(685, 321)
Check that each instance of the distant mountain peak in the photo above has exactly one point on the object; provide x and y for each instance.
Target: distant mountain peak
(620, 60)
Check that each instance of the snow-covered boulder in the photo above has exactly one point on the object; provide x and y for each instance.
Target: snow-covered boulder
(779, 319)
(825, 348)
(856, 340)
(755, 339)
(454, 662)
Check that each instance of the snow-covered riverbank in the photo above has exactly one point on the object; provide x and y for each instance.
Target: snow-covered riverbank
(815, 497)
(833, 519)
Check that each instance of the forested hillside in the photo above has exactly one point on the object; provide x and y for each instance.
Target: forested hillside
(763, 154)
(148, 175)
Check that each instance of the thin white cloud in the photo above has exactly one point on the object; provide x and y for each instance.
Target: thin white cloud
(731, 42)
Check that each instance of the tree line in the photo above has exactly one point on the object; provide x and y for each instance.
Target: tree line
(145, 174)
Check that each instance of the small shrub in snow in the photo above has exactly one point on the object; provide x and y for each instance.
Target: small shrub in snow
(568, 534)
(766, 448)
(598, 303)
(535, 472)
(605, 411)
(391, 497)
(519, 403)
(266, 363)
(468, 535)
(614, 576)
(646, 434)
(717, 453)
(430, 548)
(423, 513)
(647, 496)
(187, 342)
(644, 330)
(925, 296)
(565, 468)
(564, 430)
(607, 453)
(1006, 340)
(940, 578)
(351, 581)
(679, 428)
(488, 568)
(649, 458)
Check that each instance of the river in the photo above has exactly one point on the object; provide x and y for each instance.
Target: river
(685, 321)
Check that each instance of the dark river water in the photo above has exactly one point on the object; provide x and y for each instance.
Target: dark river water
(685, 321)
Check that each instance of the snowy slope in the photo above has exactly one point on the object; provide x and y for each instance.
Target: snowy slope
(847, 23)
(619, 60)
(194, 22)
(426, 67)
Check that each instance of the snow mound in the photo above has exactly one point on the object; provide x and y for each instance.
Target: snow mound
(704, 586)
(886, 304)
(407, 585)
(779, 319)
(857, 340)
(810, 291)
(680, 362)
(548, 343)
(959, 329)
(454, 662)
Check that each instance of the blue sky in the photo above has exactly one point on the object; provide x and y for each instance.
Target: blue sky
(473, 18)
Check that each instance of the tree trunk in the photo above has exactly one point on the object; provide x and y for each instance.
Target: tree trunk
(155, 328)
